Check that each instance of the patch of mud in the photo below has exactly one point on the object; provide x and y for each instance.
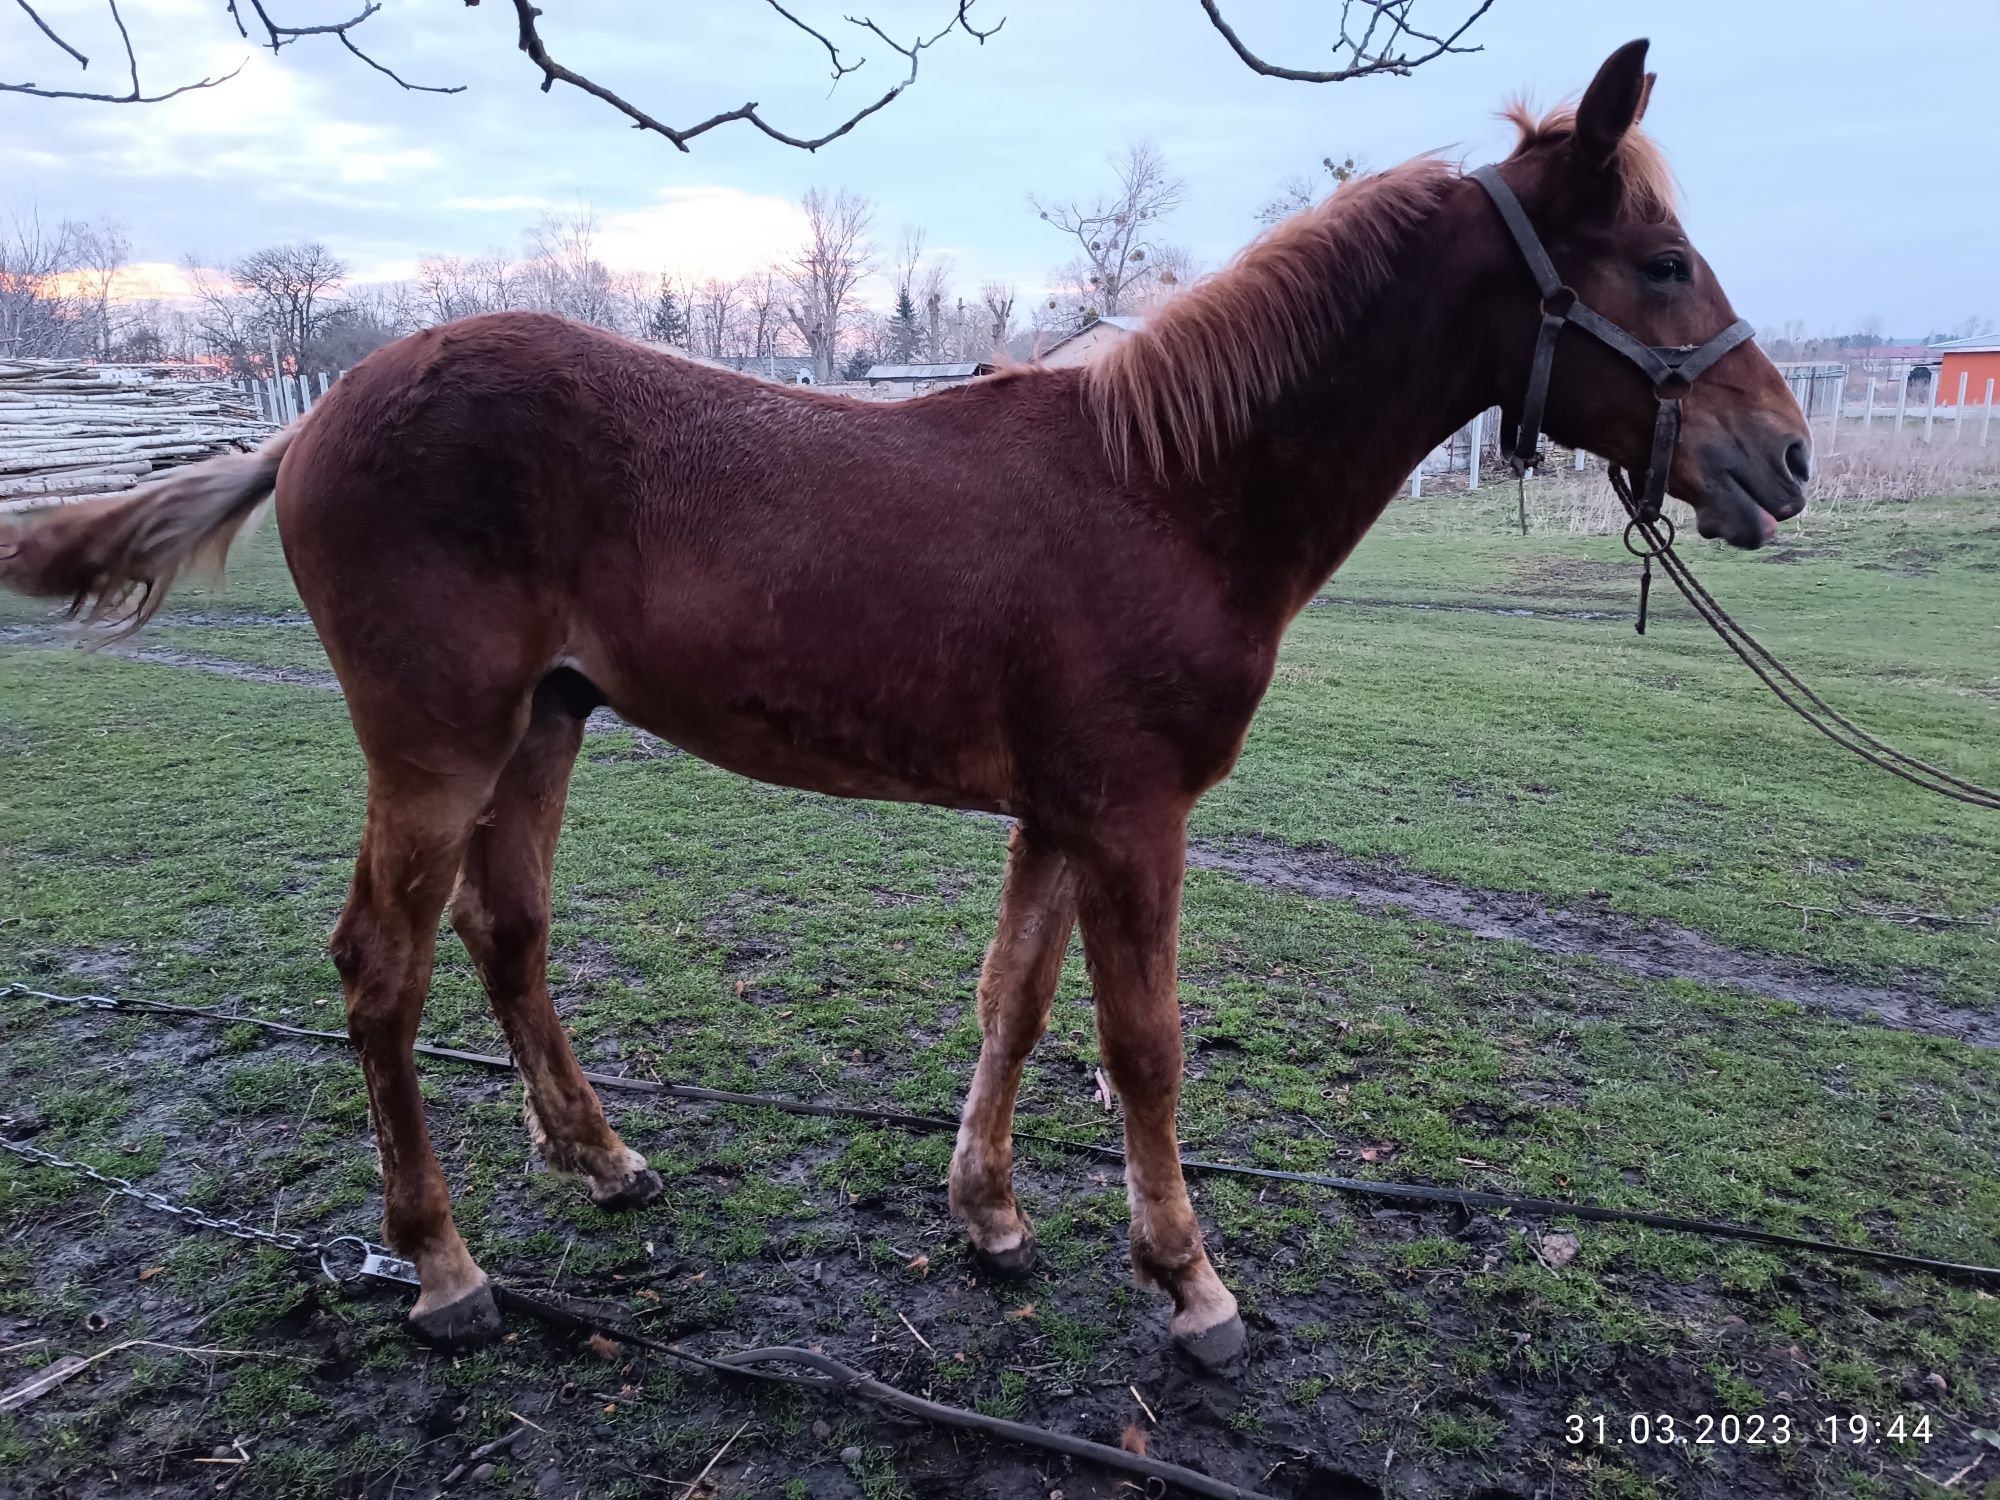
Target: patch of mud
(223, 666)
(1650, 949)
(1467, 607)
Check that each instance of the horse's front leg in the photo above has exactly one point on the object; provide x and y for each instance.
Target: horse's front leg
(1129, 895)
(1016, 987)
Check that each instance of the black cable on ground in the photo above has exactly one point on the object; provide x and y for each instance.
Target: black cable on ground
(1404, 1192)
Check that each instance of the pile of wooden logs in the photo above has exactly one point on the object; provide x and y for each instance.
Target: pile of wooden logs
(71, 431)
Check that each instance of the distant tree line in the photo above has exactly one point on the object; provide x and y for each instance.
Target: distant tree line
(66, 290)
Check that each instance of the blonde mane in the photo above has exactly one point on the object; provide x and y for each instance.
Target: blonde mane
(1190, 382)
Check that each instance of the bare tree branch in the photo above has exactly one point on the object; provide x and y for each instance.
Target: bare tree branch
(134, 95)
(81, 60)
(554, 72)
(1366, 54)
(276, 36)
(1387, 42)
(415, 88)
(840, 69)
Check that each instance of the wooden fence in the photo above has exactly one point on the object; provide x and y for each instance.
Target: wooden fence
(288, 397)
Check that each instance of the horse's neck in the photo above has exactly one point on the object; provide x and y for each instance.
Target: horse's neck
(1319, 466)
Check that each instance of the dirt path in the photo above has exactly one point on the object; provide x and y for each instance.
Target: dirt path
(1649, 949)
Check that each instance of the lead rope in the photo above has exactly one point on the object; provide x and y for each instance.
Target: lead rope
(1821, 715)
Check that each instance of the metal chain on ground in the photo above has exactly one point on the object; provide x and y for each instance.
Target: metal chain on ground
(1428, 1194)
(1821, 715)
(371, 1260)
(283, 1239)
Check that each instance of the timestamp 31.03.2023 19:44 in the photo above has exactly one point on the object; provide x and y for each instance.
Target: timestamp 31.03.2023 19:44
(1744, 1430)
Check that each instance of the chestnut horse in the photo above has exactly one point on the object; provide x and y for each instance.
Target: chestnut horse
(1056, 594)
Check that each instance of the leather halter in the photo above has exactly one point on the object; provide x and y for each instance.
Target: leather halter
(1671, 371)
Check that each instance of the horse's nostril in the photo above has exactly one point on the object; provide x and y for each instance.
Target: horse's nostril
(1798, 460)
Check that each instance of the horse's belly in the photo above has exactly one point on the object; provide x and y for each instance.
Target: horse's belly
(926, 751)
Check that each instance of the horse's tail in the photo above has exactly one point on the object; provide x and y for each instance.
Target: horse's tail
(117, 557)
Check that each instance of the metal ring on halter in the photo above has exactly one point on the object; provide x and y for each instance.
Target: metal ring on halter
(1652, 548)
(325, 1251)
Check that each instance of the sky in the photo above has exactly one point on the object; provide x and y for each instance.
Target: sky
(1839, 159)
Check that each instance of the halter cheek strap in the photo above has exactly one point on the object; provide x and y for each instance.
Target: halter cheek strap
(1670, 370)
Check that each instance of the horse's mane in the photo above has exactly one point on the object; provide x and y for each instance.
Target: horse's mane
(1191, 379)
(1646, 182)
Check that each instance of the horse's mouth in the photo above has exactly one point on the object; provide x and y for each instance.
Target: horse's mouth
(1742, 514)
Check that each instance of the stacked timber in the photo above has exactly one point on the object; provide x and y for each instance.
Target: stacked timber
(73, 431)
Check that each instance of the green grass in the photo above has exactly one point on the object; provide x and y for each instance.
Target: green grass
(185, 835)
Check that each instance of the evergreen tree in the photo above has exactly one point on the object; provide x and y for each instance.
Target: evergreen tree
(904, 334)
(667, 323)
(859, 363)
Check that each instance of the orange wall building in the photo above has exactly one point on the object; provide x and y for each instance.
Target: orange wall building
(1978, 360)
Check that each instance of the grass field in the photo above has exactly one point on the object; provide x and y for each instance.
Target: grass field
(1416, 946)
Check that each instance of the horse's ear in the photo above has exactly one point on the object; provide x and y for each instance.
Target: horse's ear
(1612, 105)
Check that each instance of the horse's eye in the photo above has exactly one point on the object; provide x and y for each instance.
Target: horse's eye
(1672, 266)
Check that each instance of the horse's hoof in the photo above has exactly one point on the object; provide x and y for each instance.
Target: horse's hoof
(636, 1191)
(466, 1323)
(1010, 1264)
(1212, 1348)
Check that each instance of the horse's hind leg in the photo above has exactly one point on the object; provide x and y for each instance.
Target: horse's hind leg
(1016, 986)
(500, 911)
(383, 945)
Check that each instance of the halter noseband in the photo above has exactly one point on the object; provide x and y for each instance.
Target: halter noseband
(1671, 371)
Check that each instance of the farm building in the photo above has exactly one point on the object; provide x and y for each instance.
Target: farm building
(1088, 341)
(913, 380)
(1973, 363)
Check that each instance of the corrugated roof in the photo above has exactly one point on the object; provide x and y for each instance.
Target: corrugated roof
(1983, 343)
(928, 372)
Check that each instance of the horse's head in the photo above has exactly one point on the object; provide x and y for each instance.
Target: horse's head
(1599, 197)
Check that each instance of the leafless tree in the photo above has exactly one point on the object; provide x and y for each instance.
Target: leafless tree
(998, 298)
(102, 253)
(824, 272)
(1374, 37)
(713, 317)
(39, 315)
(1115, 232)
(934, 310)
(221, 320)
(1300, 192)
(293, 293)
(763, 316)
(455, 286)
(562, 273)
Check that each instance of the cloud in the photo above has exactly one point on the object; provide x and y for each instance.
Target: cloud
(701, 232)
(500, 203)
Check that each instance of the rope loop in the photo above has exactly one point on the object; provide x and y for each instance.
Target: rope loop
(1657, 542)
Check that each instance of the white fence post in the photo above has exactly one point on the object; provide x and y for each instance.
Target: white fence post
(1472, 459)
(1579, 460)
(1868, 412)
(1417, 482)
(1958, 412)
(1902, 402)
(1986, 421)
(1833, 423)
(322, 382)
(1930, 402)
